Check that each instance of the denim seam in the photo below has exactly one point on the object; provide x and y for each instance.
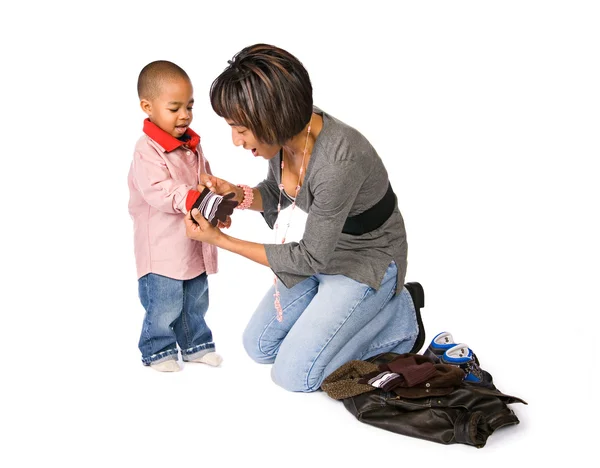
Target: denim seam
(390, 294)
(149, 296)
(385, 345)
(367, 290)
(274, 318)
(397, 341)
(186, 331)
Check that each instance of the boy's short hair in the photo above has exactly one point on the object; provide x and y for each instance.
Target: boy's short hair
(154, 74)
(267, 90)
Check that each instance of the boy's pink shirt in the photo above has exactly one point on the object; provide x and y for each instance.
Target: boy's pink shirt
(162, 172)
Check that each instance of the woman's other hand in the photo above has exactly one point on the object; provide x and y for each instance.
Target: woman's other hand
(201, 230)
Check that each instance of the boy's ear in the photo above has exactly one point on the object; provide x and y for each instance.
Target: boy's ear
(146, 106)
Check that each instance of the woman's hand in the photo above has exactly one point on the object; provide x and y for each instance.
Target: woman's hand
(203, 231)
(221, 187)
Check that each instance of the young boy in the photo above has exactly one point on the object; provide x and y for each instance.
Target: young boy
(163, 179)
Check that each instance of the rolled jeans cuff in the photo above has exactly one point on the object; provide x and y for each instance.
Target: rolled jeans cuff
(170, 354)
(197, 351)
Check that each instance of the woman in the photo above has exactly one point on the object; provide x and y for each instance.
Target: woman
(338, 293)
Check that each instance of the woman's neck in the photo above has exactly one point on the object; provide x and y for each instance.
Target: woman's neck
(294, 148)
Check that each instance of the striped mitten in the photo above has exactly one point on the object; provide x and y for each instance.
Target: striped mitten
(210, 205)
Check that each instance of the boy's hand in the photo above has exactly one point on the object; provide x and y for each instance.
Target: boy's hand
(224, 224)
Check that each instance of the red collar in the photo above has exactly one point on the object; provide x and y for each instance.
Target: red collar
(169, 142)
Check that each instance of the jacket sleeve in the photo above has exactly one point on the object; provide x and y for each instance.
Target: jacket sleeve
(469, 420)
(335, 189)
(157, 186)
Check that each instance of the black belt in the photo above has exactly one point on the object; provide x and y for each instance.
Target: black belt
(372, 218)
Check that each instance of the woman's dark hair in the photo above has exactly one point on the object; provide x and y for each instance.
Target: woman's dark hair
(266, 90)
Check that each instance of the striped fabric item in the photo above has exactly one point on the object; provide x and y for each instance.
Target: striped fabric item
(209, 204)
(384, 380)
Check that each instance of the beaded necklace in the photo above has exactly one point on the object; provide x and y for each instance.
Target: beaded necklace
(281, 188)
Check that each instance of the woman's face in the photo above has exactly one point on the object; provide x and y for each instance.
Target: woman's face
(242, 136)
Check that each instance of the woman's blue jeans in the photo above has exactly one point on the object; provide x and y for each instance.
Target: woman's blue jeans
(175, 311)
(329, 320)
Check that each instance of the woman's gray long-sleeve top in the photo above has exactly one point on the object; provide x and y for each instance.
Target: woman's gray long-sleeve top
(345, 176)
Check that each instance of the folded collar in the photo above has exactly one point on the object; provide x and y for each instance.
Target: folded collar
(169, 142)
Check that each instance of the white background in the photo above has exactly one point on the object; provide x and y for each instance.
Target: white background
(486, 115)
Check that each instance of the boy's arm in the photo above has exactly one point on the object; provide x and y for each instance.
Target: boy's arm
(154, 181)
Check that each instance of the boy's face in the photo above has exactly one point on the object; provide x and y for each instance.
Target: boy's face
(171, 110)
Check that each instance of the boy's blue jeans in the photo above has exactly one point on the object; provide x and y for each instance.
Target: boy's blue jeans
(175, 311)
(329, 320)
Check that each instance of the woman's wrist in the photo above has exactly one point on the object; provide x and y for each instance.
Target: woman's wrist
(239, 194)
(247, 197)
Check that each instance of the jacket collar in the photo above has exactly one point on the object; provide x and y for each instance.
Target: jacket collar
(169, 142)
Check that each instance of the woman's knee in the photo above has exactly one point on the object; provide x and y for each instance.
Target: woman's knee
(256, 349)
(295, 374)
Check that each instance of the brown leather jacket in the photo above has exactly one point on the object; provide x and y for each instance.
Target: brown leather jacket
(434, 403)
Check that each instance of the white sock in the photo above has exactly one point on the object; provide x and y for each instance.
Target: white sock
(212, 359)
(169, 365)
